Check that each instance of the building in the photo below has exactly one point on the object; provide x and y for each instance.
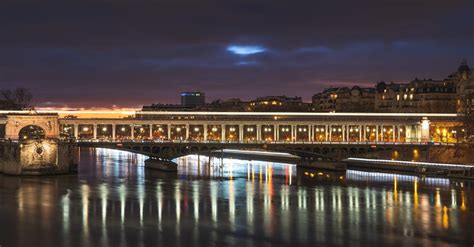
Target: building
(193, 98)
(168, 107)
(278, 103)
(428, 96)
(344, 99)
(464, 88)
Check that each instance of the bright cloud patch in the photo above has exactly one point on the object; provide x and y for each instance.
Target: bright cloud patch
(245, 49)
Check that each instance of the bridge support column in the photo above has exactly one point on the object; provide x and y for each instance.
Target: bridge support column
(393, 133)
(310, 133)
(114, 127)
(223, 139)
(259, 132)
(187, 131)
(360, 132)
(329, 137)
(205, 132)
(293, 134)
(151, 131)
(95, 131)
(377, 133)
(425, 130)
(132, 131)
(344, 134)
(76, 131)
(241, 132)
(276, 129)
(398, 133)
(168, 128)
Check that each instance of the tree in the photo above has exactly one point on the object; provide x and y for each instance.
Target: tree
(17, 99)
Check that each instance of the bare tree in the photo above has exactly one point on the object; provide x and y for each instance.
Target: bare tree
(16, 99)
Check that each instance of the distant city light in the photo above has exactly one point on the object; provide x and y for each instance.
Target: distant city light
(245, 49)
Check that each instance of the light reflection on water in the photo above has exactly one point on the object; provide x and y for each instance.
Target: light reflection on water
(115, 201)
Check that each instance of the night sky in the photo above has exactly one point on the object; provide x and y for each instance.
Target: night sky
(117, 53)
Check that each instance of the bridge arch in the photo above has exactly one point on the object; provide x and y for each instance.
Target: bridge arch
(16, 123)
(31, 132)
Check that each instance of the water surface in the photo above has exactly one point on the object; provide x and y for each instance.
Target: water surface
(114, 201)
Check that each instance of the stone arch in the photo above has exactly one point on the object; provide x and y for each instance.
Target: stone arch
(31, 132)
(49, 123)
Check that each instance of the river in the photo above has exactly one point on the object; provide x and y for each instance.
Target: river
(115, 201)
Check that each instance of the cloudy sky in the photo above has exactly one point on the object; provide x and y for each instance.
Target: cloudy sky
(106, 53)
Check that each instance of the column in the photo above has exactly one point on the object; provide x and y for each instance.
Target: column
(113, 131)
(76, 131)
(330, 133)
(259, 132)
(241, 132)
(187, 131)
(398, 133)
(277, 132)
(205, 132)
(348, 135)
(377, 133)
(393, 133)
(168, 128)
(223, 133)
(95, 131)
(310, 133)
(132, 127)
(326, 132)
(425, 130)
(293, 130)
(151, 131)
(360, 132)
(344, 134)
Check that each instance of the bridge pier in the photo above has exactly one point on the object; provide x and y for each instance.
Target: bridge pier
(38, 157)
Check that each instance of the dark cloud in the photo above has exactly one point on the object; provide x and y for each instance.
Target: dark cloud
(103, 53)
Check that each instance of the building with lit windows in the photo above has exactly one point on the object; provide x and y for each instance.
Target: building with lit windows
(416, 96)
(465, 88)
(278, 103)
(344, 99)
